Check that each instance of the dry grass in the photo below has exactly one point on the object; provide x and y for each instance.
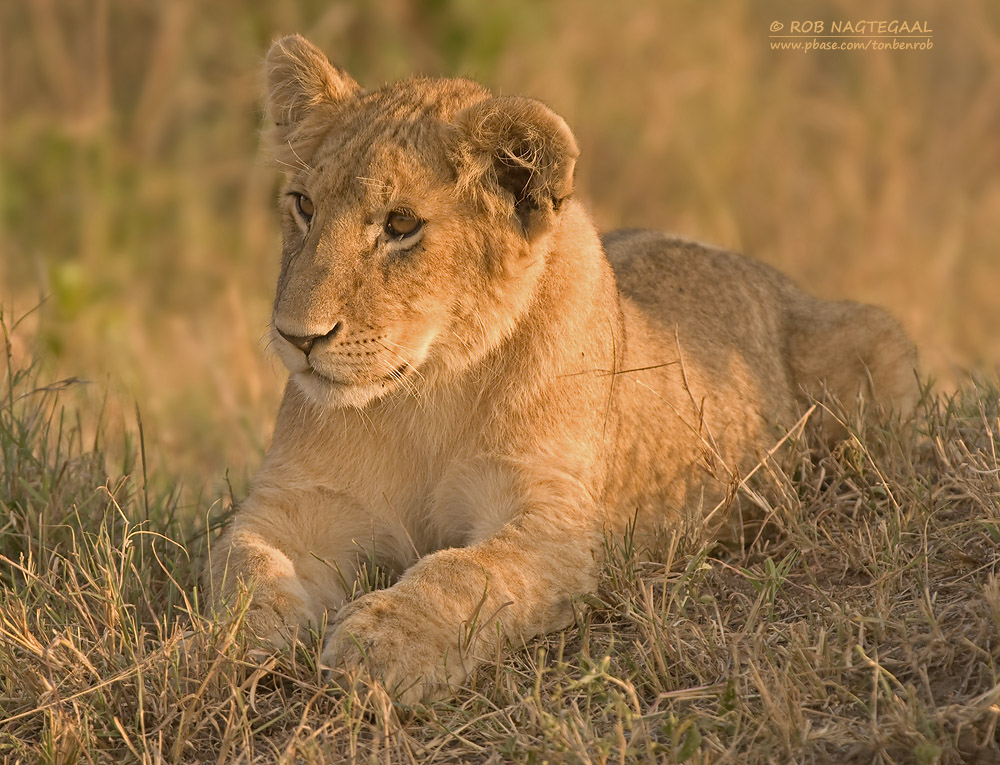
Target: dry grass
(859, 623)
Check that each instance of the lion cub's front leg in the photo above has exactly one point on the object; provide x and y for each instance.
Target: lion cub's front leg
(291, 576)
(451, 610)
(279, 603)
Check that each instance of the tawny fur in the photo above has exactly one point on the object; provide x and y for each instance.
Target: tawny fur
(483, 402)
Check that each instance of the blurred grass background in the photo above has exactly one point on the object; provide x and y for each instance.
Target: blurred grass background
(134, 200)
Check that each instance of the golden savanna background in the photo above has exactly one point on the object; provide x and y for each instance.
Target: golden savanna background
(136, 204)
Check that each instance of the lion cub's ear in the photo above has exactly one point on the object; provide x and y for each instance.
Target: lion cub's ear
(303, 90)
(519, 147)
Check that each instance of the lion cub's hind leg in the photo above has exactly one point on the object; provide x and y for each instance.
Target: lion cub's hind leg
(851, 353)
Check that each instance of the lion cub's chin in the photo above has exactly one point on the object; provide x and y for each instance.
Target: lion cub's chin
(333, 395)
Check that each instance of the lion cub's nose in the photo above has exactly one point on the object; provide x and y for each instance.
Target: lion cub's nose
(305, 342)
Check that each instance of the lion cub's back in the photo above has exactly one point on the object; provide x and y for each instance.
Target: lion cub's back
(705, 380)
(713, 300)
(725, 304)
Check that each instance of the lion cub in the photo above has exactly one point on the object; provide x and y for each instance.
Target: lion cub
(481, 388)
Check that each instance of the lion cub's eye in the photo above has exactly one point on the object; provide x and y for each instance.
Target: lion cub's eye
(305, 207)
(402, 223)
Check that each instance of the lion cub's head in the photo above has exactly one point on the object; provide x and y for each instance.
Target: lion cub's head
(415, 223)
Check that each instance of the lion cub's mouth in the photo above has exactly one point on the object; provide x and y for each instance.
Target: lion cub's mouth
(336, 392)
(395, 375)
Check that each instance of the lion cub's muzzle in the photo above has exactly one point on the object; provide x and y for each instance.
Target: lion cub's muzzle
(344, 356)
(305, 342)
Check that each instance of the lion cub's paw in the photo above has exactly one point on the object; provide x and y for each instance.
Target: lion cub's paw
(391, 639)
(278, 614)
